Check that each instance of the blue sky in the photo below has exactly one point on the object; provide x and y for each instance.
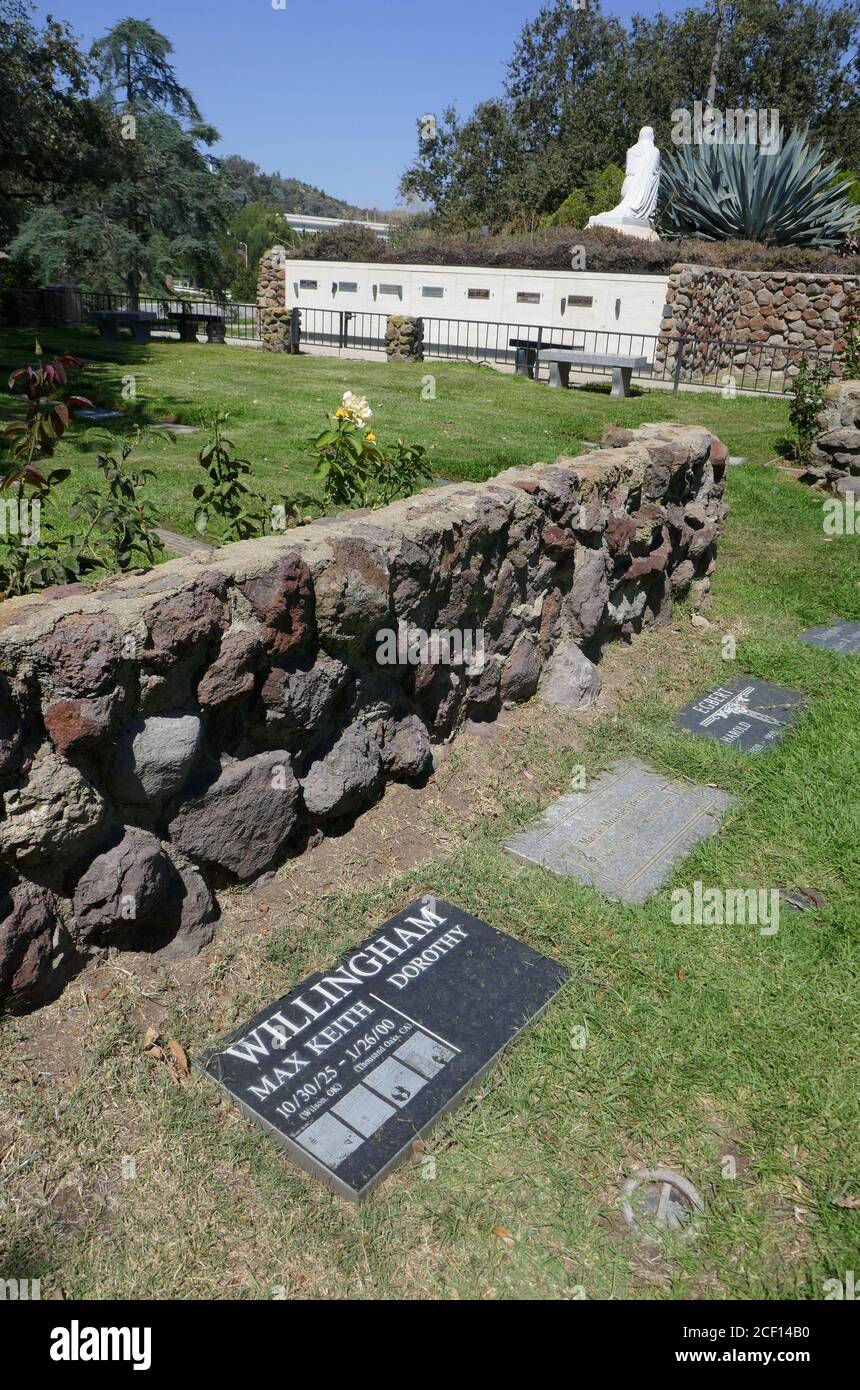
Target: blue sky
(328, 90)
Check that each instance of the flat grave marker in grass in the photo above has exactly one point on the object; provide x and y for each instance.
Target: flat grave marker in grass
(175, 544)
(623, 834)
(94, 415)
(842, 637)
(356, 1063)
(751, 715)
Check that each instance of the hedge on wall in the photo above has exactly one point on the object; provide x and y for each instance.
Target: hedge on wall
(549, 249)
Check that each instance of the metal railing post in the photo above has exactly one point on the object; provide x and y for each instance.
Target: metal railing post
(679, 363)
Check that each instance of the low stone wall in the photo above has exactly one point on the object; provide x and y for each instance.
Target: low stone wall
(404, 338)
(193, 723)
(272, 299)
(785, 312)
(835, 457)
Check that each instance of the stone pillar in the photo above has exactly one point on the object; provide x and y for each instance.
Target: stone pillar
(404, 338)
(835, 457)
(272, 299)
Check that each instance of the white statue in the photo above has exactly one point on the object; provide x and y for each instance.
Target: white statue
(634, 213)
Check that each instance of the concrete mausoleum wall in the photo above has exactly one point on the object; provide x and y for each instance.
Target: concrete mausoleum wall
(192, 724)
(592, 301)
(725, 314)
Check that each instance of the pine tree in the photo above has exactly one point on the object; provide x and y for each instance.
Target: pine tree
(167, 207)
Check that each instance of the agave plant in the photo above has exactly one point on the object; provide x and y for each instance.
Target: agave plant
(786, 196)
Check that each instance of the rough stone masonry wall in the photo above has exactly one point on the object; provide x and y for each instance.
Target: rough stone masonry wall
(272, 299)
(404, 338)
(193, 723)
(835, 457)
(784, 311)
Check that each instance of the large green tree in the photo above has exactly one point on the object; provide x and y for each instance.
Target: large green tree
(135, 73)
(54, 136)
(472, 172)
(580, 85)
(253, 229)
(168, 205)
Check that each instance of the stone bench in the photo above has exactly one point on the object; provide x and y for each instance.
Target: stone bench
(138, 321)
(623, 366)
(188, 320)
(527, 350)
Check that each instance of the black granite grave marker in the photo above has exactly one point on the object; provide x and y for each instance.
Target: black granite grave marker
(356, 1063)
(843, 638)
(751, 715)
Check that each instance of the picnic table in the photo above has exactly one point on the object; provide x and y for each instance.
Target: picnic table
(138, 321)
(527, 350)
(623, 366)
(188, 320)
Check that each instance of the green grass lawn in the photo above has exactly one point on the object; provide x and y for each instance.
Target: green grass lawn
(480, 421)
(704, 1043)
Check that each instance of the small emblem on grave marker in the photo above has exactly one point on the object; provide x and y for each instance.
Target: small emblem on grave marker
(750, 715)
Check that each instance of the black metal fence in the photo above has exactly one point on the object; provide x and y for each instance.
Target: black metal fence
(722, 364)
(68, 304)
(240, 320)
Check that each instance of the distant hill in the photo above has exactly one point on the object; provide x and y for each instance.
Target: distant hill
(289, 195)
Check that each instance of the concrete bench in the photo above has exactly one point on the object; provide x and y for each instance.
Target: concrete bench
(623, 366)
(138, 321)
(188, 320)
(527, 350)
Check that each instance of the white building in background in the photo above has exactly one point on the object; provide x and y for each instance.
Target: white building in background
(309, 222)
(589, 302)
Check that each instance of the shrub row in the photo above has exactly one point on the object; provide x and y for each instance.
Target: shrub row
(549, 249)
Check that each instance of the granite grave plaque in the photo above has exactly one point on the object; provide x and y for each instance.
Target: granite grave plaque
(95, 414)
(751, 715)
(356, 1063)
(624, 834)
(843, 638)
